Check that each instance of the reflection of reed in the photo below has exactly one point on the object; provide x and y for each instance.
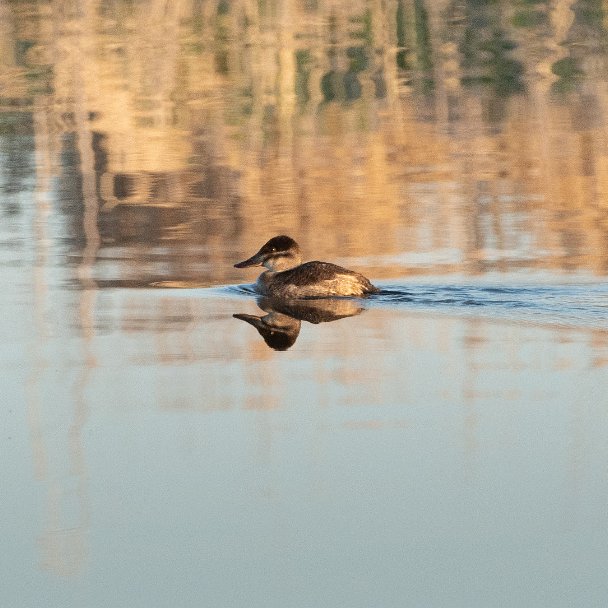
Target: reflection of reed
(63, 544)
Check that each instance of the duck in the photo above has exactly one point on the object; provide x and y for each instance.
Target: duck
(288, 278)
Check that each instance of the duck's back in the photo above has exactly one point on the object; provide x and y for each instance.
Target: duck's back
(316, 280)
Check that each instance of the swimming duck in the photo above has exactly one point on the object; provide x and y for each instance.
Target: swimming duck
(288, 278)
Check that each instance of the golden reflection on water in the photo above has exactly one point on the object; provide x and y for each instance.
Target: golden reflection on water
(414, 136)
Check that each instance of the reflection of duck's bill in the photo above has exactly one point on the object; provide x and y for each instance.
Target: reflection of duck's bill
(254, 260)
(179, 284)
(251, 319)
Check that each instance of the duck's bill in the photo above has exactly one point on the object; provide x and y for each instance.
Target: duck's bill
(255, 260)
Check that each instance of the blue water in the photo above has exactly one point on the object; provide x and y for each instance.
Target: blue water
(584, 305)
(443, 446)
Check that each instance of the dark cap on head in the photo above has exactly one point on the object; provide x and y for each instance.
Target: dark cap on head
(279, 243)
(276, 244)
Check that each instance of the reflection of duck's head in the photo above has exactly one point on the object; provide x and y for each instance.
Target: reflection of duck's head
(288, 278)
(278, 330)
(280, 327)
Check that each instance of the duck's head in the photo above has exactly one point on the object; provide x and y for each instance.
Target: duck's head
(279, 253)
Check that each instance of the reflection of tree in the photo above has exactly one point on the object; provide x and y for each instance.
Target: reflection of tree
(56, 424)
(415, 51)
(343, 83)
(586, 42)
(485, 53)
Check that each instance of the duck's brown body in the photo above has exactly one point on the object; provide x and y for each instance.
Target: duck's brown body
(314, 280)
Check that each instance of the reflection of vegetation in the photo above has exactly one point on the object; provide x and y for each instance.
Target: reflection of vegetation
(531, 13)
(222, 38)
(345, 85)
(303, 66)
(590, 12)
(247, 101)
(415, 50)
(402, 54)
(568, 74)
(21, 49)
(365, 33)
(586, 38)
(485, 50)
(17, 153)
(333, 86)
(16, 123)
(38, 76)
(423, 38)
(223, 7)
(198, 99)
(341, 86)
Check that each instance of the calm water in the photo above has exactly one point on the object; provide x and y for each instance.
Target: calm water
(171, 440)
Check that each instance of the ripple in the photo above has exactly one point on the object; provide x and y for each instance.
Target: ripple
(568, 304)
(575, 305)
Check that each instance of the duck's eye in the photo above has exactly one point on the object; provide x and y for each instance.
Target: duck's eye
(273, 249)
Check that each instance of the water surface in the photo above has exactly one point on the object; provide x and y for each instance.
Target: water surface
(170, 439)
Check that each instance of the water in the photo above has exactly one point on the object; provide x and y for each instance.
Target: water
(171, 439)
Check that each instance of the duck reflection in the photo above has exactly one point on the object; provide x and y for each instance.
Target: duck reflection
(280, 327)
